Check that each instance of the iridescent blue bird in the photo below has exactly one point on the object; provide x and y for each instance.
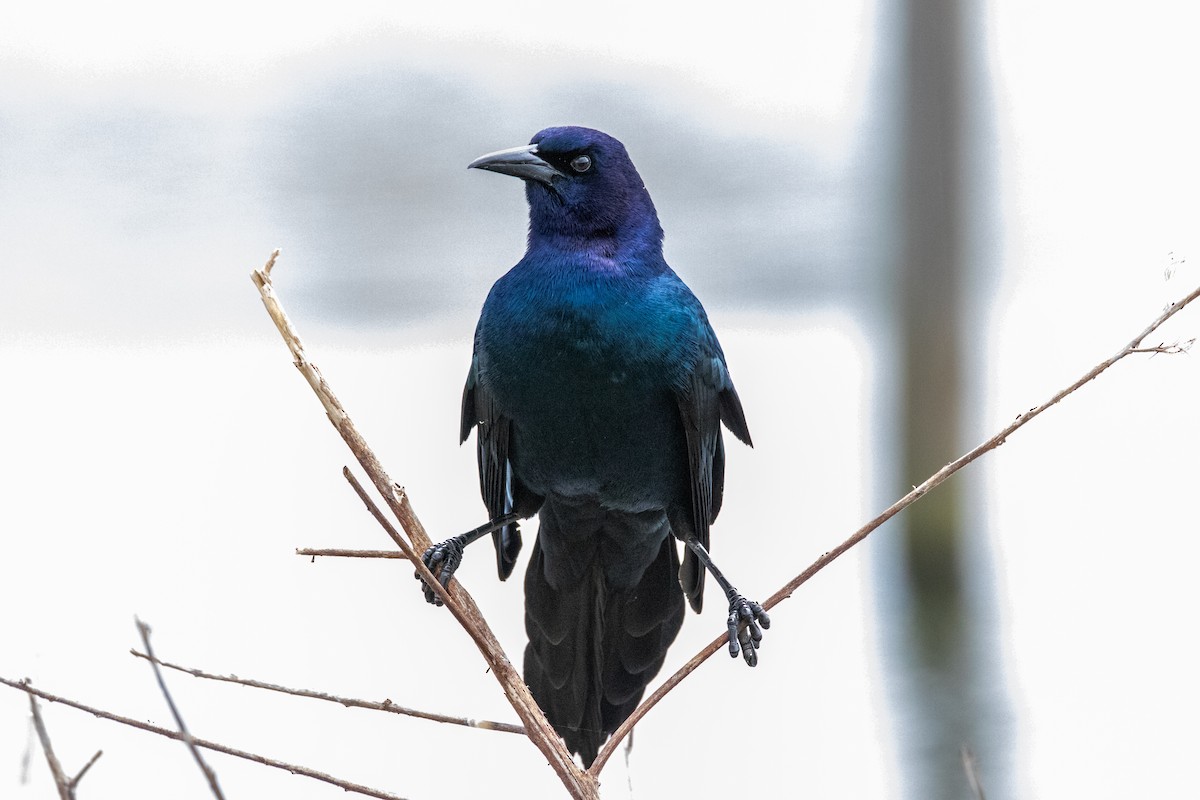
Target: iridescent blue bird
(598, 389)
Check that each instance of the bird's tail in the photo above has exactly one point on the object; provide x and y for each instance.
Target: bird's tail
(593, 648)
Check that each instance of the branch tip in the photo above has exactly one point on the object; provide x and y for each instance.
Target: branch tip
(205, 769)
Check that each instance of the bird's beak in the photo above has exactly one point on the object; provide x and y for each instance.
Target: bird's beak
(523, 162)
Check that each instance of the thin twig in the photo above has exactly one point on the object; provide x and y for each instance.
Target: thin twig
(295, 769)
(422, 571)
(580, 784)
(209, 775)
(389, 528)
(348, 702)
(344, 553)
(83, 770)
(1134, 346)
(61, 782)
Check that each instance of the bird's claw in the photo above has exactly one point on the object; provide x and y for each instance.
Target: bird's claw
(746, 622)
(442, 559)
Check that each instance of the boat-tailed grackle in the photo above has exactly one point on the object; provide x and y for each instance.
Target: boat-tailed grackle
(598, 389)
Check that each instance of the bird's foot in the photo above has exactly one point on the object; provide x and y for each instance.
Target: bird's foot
(442, 559)
(746, 622)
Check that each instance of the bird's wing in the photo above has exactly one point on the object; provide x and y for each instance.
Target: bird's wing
(496, 482)
(706, 400)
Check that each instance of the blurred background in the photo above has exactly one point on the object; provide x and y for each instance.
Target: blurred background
(909, 221)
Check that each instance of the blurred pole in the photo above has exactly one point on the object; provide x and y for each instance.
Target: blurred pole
(940, 714)
(931, 290)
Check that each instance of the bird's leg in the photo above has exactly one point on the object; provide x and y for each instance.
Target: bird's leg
(443, 558)
(746, 617)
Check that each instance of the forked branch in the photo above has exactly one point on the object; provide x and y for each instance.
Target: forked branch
(64, 785)
(210, 776)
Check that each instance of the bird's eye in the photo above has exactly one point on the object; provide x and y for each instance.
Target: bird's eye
(581, 164)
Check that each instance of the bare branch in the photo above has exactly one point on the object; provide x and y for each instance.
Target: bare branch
(66, 791)
(348, 702)
(83, 770)
(1167, 349)
(295, 769)
(389, 528)
(579, 783)
(209, 775)
(1134, 346)
(343, 553)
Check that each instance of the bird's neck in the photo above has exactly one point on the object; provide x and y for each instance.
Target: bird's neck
(625, 229)
(599, 247)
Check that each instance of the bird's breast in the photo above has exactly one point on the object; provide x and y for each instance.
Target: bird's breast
(588, 387)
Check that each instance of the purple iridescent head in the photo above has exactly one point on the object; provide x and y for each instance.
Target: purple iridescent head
(580, 184)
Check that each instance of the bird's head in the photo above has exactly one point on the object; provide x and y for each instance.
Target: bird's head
(581, 185)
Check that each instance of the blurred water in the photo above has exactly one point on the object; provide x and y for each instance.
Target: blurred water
(359, 170)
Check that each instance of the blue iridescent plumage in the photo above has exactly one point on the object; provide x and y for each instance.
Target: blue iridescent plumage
(598, 389)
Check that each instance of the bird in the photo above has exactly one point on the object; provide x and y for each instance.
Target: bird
(597, 390)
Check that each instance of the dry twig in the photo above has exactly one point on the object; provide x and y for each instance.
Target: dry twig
(209, 775)
(295, 769)
(66, 789)
(344, 553)
(83, 770)
(348, 702)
